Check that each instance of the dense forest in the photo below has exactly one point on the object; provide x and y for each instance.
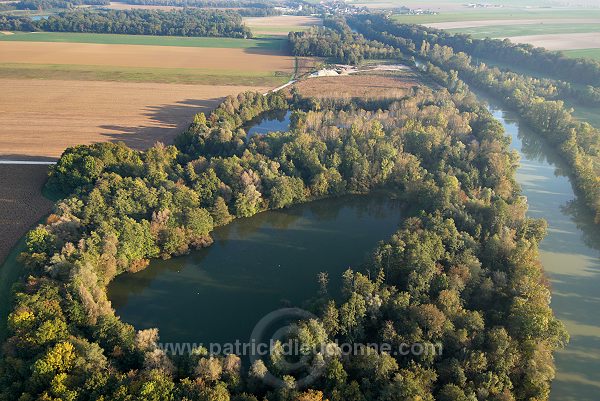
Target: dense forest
(184, 22)
(462, 270)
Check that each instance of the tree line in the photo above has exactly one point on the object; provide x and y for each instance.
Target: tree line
(251, 8)
(335, 40)
(580, 70)
(408, 37)
(246, 8)
(536, 100)
(184, 22)
(462, 270)
(48, 4)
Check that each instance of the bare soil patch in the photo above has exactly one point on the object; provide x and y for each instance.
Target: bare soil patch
(371, 86)
(21, 202)
(43, 117)
(570, 41)
(492, 22)
(6, 33)
(144, 56)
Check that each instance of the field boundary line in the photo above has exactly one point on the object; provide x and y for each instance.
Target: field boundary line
(43, 162)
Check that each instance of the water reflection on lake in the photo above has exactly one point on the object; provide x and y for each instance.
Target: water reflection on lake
(277, 120)
(256, 265)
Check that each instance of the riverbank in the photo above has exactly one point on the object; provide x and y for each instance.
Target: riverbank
(570, 255)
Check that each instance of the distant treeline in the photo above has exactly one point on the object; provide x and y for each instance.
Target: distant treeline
(47, 4)
(579, 70)
(335, 40)
(409, 37)
(39, 5)
(239, 4)
(244, 8)
(186, 22)
(536, 100)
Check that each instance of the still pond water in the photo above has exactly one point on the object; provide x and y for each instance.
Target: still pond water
(277, 120)
(255, 266)
(260, 263)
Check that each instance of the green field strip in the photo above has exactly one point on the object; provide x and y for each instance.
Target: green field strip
(497, 15)
(266, 43)
(583, 53)
(501, 31)
(192, 76)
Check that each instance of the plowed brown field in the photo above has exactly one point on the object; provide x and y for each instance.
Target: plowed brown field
(21, 202)
(216, 59)
(42, 118)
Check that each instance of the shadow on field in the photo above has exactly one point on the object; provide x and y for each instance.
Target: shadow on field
(166, 122)
(267, 46)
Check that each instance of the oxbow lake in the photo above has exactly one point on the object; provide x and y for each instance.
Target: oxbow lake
(256, 265)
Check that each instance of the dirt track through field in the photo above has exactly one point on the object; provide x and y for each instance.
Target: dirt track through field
(569, 41)
(42, 118)
(218, 59)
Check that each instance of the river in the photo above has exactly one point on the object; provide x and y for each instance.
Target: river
(570, 255)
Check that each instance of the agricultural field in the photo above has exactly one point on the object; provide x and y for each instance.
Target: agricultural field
(515, 28)
(65, 113)
(137, 58)
(551, 28)
(280, 25)
(585, 53)
(492, 15)
(83, 88)
(570, 41)
(140, 56)
(21, 202)
(438, 5)
(255, 45)
(372, 85)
